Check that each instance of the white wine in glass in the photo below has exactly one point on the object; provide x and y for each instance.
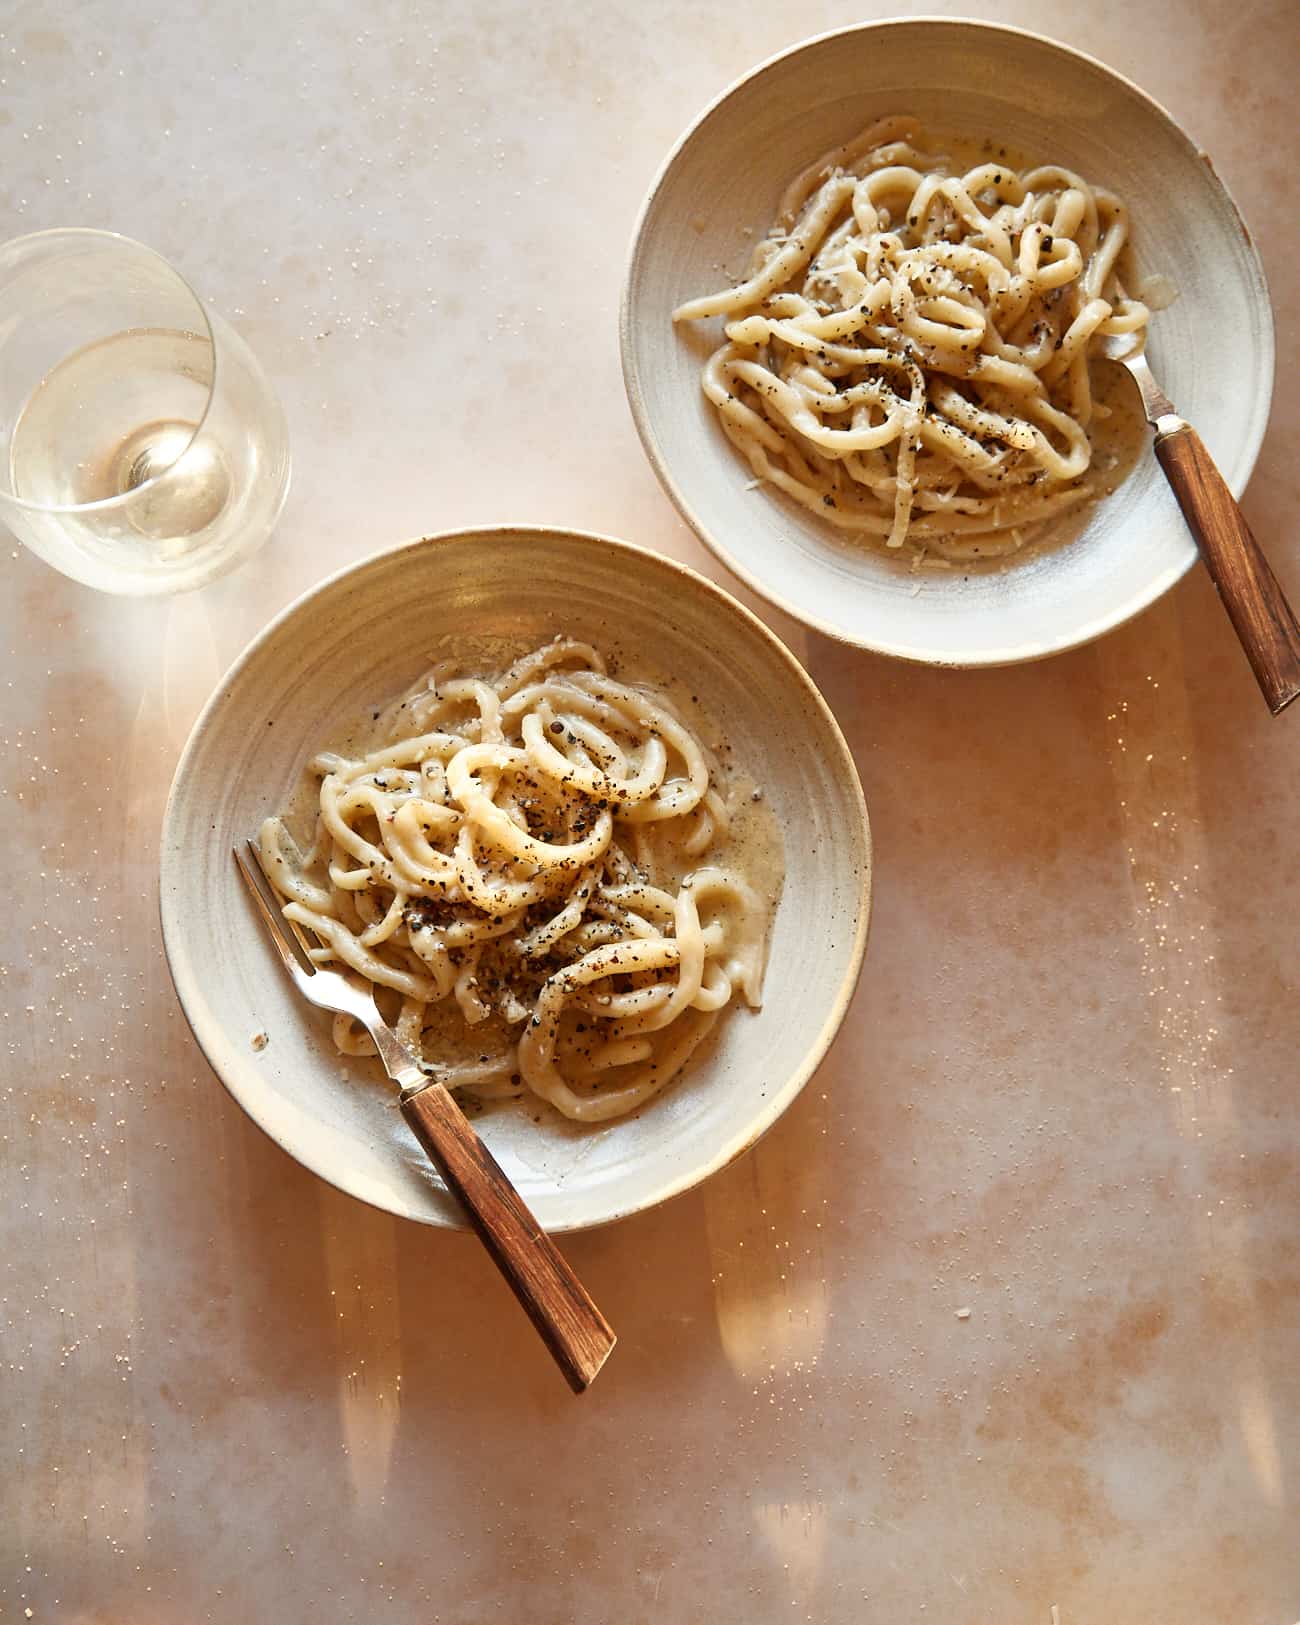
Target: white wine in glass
(141, 448)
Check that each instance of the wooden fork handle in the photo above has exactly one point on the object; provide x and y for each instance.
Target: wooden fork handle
(1264, 622)
(571, 1326)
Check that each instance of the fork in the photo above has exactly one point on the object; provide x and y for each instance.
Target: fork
(1264, 622)
(571, 1326)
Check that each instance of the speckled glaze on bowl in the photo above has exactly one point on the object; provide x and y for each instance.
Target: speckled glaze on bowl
(1212, 349)
(359, 638)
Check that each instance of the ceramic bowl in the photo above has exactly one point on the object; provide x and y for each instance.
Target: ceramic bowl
(1212, 349)
(363, 636)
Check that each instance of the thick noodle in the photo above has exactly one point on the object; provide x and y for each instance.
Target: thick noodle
(907, 355)
(499, 871)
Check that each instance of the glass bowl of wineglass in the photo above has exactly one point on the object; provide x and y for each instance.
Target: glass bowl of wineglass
(142, 450)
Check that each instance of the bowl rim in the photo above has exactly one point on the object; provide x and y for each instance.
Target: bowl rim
(216, 1046)
(1089, 631)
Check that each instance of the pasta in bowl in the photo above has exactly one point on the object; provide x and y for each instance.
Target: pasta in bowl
(381, 695)
(908, 356)
(524, 867)
(860, 325)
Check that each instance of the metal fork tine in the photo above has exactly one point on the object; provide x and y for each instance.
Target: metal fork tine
(290, 947)
(291, 927)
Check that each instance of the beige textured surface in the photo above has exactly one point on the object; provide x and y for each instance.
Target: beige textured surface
(1065, 1097)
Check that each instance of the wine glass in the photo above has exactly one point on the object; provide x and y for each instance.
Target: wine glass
(142, 449)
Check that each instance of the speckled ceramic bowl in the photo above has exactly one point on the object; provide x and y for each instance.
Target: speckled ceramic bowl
(1212, 349)
(361, 637)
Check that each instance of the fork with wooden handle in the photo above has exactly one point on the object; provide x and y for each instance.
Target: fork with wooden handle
(1264, 622)
(571, 1326)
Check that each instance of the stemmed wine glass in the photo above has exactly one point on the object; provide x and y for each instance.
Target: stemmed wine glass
(142, 449)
